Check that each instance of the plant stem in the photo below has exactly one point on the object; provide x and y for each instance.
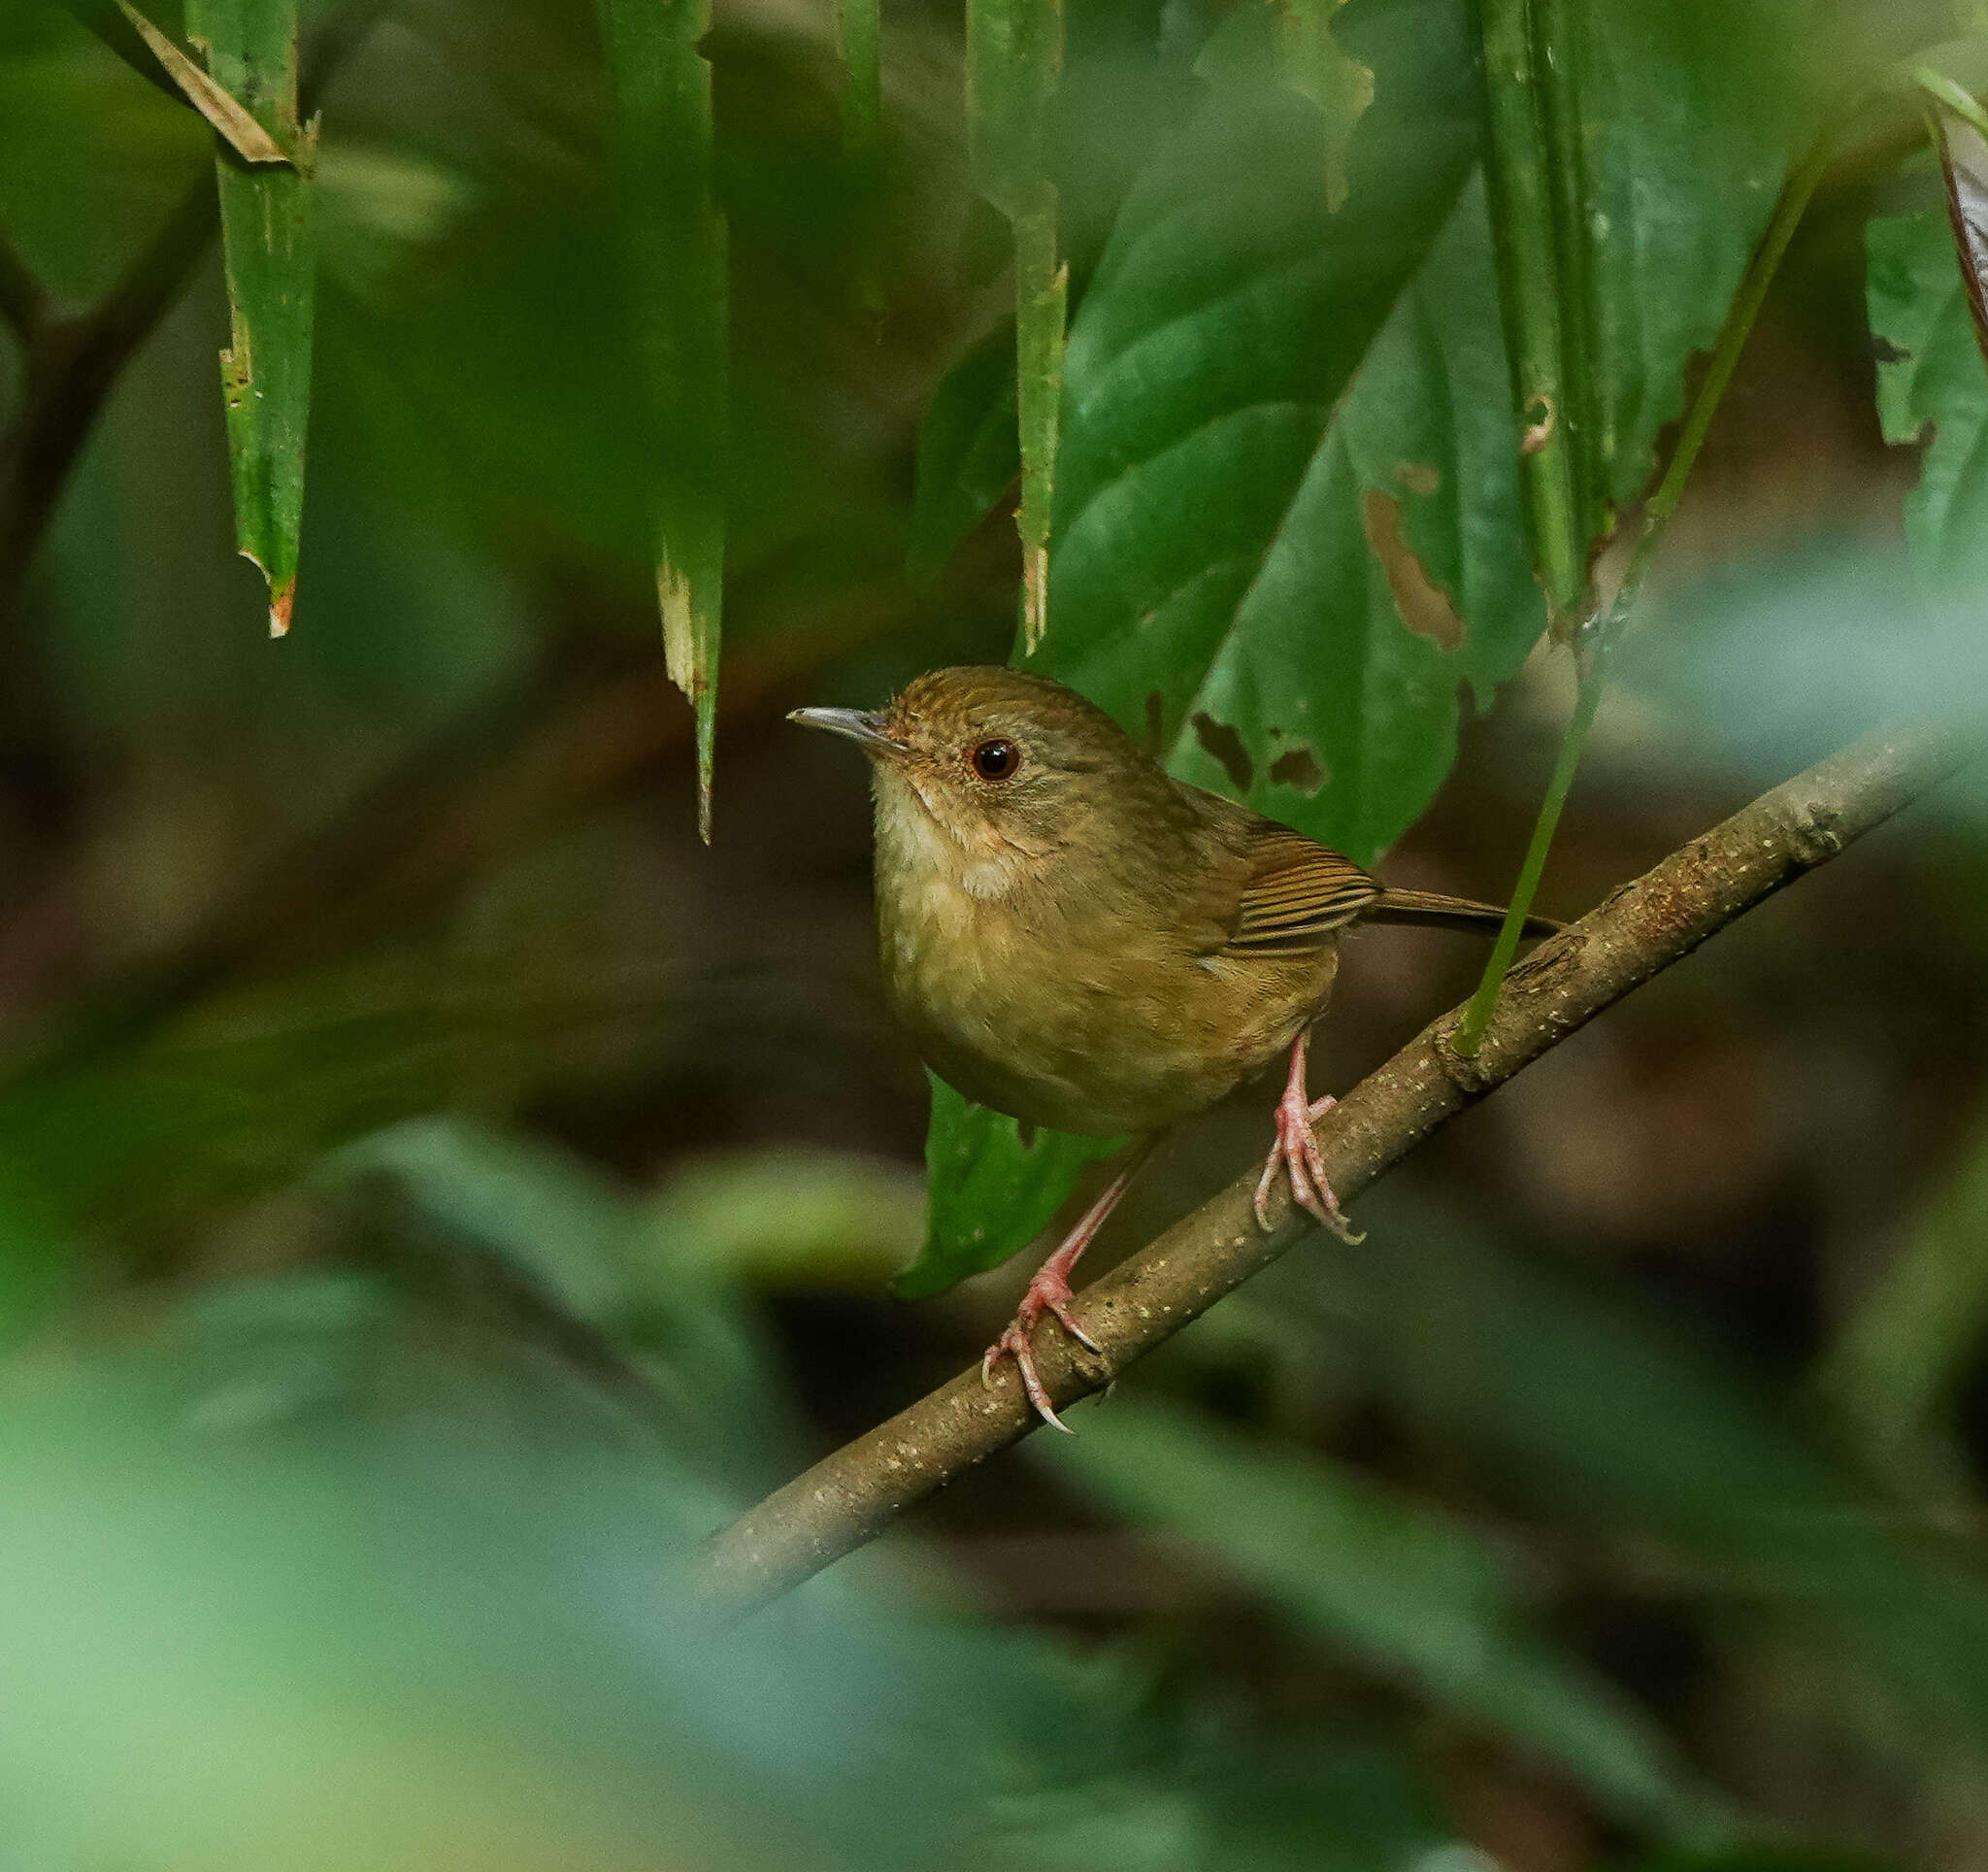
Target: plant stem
(1608, 632)
(1528, 246)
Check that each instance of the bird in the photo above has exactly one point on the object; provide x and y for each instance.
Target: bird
(1077, 938)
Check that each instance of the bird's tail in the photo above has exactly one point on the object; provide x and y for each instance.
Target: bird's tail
(1433, 907)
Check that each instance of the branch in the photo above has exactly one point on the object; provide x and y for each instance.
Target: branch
(849, 1498)
(69, 372)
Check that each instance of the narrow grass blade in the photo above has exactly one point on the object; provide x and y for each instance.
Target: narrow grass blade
(1014, 52)
(676, 273)
(271, 259)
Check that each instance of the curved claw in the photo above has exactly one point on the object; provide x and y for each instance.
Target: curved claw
(1295, 1153)
(1014, 1344)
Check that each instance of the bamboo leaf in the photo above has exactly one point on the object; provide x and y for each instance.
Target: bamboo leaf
(271, 263)
(676, 282)
(1015, 53)
(247, 137)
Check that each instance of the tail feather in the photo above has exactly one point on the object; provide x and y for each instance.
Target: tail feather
(1433, 907)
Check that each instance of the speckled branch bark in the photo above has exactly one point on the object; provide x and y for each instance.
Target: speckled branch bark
(849, 1498)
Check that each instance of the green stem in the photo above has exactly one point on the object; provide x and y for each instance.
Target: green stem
(1745, 309)
(1526, 245)
(1041, 291)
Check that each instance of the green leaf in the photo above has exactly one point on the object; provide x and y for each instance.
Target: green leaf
(988, 1193)
(1015, 53)
(1416, 1595)
(1931, 377)
(272, 264)
(968, 453)
(675, 246)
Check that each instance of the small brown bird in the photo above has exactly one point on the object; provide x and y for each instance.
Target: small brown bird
(1077, 938)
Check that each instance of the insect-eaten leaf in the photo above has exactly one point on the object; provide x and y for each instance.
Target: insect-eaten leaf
(990, 1193)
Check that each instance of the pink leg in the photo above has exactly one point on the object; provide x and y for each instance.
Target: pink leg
(1050, 1293)
(1295, 1153)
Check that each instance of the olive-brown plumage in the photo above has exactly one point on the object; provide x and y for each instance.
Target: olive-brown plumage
(1077, 938)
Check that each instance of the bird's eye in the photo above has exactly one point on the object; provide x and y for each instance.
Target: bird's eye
(996, 759)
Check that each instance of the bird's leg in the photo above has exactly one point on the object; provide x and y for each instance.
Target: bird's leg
(1296, 1153)
(1050, 1293)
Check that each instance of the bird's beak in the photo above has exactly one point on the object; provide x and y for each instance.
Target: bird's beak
(865, 729)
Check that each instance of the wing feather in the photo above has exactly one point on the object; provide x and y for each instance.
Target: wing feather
(1298, 894)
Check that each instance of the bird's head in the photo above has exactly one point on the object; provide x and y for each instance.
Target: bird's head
(997, 760)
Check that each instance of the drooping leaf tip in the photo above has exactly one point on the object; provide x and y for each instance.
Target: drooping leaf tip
(1035, 613)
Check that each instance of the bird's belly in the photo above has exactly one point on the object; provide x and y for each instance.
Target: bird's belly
(1090, 1037)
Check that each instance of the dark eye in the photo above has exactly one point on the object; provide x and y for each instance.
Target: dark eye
(996, 759)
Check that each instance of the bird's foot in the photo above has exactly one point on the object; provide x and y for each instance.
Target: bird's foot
(1049, 1292)
(1295, 1153)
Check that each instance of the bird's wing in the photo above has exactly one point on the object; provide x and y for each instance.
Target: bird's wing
(1297, 894)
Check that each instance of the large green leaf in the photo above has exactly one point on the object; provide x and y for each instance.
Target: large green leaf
(1373, 1570)
(1287, 528)
(1931, 377)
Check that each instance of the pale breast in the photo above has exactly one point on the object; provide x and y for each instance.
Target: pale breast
(1079, 1015)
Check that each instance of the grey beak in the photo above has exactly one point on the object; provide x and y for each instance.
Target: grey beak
(859, 725)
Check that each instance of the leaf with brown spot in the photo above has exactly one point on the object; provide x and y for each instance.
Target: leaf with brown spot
(1423, 604)
(1298, 768)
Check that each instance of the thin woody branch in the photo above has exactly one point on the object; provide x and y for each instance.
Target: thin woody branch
(849, 1498)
